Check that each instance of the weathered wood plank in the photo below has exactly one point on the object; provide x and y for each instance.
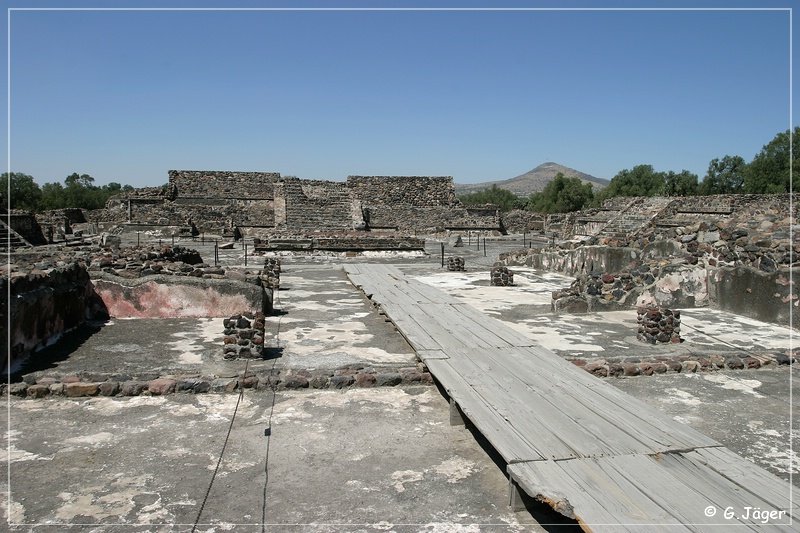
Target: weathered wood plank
(432, 354)
(641, 473)
(504, 438)
(749, 477)
(589, 497)
(723, 492)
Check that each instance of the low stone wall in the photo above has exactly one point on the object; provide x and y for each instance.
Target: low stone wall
(44, 384)
(581, 260)
(342, 243)
(687, 364)
(160, 296)
(43, 306)
(674, 274)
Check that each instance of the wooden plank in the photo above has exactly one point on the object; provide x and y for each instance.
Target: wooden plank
(629, 406)
(647, 427)
(511, 336)
(560, 426)
(416, 335)
(551, 435)
(504, 438)
(722, 491)
(450, 328)
(594, 500)
(425, 355)
(752, 478)
(684, 502)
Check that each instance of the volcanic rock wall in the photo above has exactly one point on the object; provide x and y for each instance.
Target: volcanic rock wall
(223, 184)
(418, 191)
(43, 306)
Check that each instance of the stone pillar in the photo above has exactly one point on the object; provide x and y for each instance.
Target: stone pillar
(456, 264)
(244, 336)
(501, 276)
(658, 325)
(271, 273)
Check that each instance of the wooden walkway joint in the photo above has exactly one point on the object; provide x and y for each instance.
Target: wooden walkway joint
(571, 440)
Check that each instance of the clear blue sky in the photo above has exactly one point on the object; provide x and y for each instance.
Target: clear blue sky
(126, 96)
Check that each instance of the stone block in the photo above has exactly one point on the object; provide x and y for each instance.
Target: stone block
(161, 386)
(388, 380)
(132, 388)
(341, 382)
(74, 390)
(108, 388)
(38, 391)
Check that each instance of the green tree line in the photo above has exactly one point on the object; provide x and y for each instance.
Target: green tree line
(78, 190)
(767, 173)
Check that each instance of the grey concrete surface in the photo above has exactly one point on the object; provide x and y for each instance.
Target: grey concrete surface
(358, 460)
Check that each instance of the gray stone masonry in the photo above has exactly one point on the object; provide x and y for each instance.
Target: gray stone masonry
(271, 273)
(658, 325)
(244, 336)
(223, 184)
(501, 276)
(456, 264)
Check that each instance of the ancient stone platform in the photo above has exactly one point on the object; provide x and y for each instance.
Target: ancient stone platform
(573, 441)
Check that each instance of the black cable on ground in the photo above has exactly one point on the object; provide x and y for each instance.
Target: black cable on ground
(222, 452)
(269, 423)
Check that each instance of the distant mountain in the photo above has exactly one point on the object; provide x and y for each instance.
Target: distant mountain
(533, 181)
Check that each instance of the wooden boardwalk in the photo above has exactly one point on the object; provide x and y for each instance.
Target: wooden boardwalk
(570, 439)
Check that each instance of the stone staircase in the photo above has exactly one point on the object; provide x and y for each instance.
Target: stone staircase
(635, 217)
(11, 240)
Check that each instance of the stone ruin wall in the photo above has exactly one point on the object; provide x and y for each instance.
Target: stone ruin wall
(26, 225)
(522, 221)
(729, 252)
(223, 184)
(52, 293)
(316, 204)
(44, 305)
(416, 203)
(256, 201)
(417, 191)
